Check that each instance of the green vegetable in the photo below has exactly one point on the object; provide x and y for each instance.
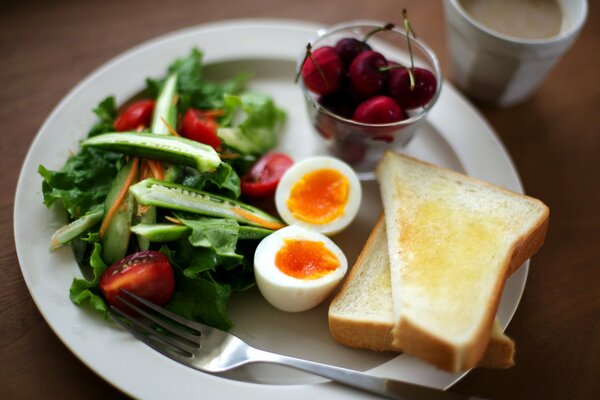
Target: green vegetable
(115, 240)
(82, 183)
(71, 231)
(165, 107)
(257, 133)
(215, 233)
(83, 290)
(107, 113)
(195, 91)
(152, 192)
(161, 147)
(164, 232)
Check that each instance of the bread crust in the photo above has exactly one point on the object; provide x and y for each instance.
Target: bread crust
(417, 341)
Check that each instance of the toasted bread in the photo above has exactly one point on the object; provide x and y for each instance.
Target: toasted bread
(452, 242)
(361, 314)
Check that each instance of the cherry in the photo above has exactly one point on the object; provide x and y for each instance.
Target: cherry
(323, 70)
(349, 48)
(378, 110)
(341, 103)
(366, 78)
(399, 87)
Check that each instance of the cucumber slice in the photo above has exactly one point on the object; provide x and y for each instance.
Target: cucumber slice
(161, 233)
(152, 192)
(165, 107)
(174, 149)
(115, 240)
(71, 231)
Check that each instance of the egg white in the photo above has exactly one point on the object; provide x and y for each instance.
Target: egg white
(297, 171)
(286, 292)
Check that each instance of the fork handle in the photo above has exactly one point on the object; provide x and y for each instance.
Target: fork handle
(385, 386)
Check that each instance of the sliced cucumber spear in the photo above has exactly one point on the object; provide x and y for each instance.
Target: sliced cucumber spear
(164, 232)
(152, 192)
(165, 112)
(174, 149)
(165, 107)
(116, 238)
(74, 229)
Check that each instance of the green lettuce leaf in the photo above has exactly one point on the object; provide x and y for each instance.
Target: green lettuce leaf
(214, 233)
(261, 120)
(201, 299)
(83, 290)
(224, 181)
(82, 183)
(195, 91)
(106, 112)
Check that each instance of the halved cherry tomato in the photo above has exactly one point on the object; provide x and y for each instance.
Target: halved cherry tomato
(146, 273)
(136, 115)
(263, 177)
(201, 126)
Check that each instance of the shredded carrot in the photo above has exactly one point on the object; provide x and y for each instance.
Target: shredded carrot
(174, 220)
(141, 210)
(213, 113)
(157, 169)
(169, 127)
(115, 206)
(228, 156)
(257, 220)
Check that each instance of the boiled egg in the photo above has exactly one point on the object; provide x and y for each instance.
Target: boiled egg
(319, 193)
(296, 269)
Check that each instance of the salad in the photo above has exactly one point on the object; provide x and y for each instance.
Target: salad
(153, 194)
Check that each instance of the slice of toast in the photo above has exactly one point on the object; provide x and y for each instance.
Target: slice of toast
(452, 242)
(361, 314)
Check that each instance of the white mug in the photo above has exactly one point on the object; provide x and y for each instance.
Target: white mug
(503, 70)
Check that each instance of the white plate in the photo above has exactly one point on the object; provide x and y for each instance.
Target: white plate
(455, 136)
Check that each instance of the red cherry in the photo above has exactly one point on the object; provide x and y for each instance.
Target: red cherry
(348, 48)
(421, 93)
(366, 78)
(327, 77)
(378, 110)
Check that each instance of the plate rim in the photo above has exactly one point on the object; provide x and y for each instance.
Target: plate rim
(304, 27)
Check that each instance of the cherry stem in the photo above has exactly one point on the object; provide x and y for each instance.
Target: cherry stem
(386, 27)
(392, 67)
(307, 56)
(409, 31)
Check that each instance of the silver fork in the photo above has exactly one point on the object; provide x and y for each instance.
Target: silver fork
(213, 350)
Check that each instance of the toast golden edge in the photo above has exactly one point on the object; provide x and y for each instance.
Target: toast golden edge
(413, 340)
(378, 336)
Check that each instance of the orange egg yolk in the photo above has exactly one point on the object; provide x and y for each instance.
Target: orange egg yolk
(320, 196)
(305, 259)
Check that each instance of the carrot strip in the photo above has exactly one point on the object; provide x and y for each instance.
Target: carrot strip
(169, 127)
(115, 206)
(213, 113)
(174, 220)
(228, 156)
(257, 220)
(157, 169)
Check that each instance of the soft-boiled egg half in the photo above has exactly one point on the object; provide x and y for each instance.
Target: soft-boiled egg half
(296, 269)
(319, 193)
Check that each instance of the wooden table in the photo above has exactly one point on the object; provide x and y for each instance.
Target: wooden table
(554, 139)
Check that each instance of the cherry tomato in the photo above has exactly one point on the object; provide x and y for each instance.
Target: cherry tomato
(146, 273)
(262, 178)
(201, 126)
(136, 115)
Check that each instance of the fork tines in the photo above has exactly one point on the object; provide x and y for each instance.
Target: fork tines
(157, 327)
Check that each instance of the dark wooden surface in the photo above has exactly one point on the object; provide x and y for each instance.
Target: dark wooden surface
(554, 139)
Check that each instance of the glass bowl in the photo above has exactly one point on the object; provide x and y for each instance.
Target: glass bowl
(361, 144)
